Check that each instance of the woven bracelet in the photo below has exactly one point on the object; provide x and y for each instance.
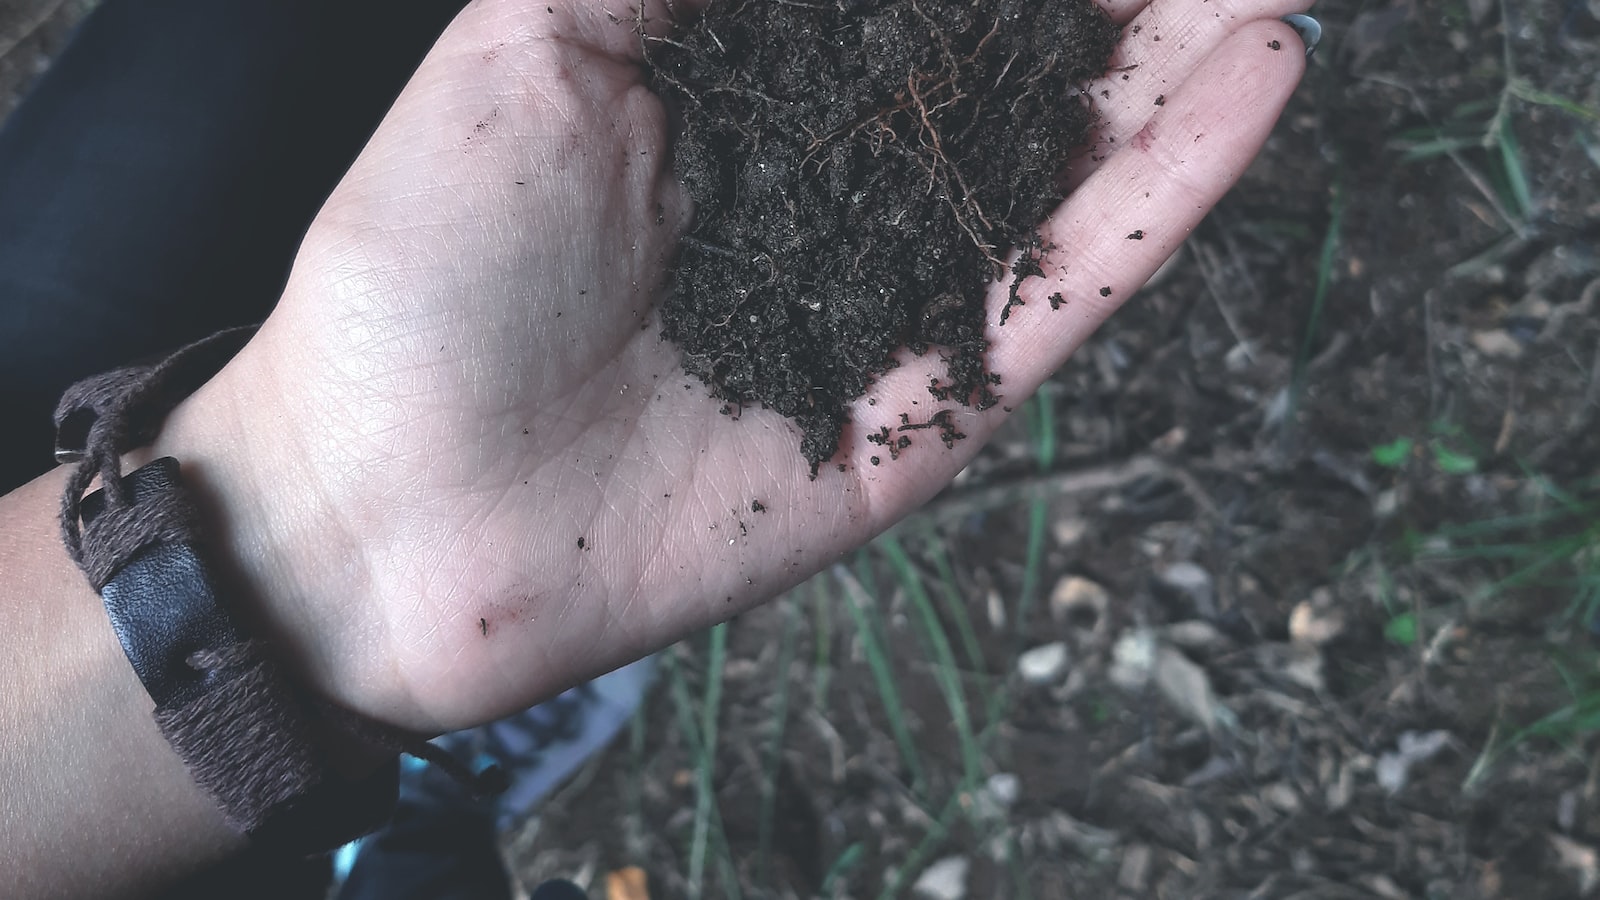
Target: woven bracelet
(248, 735)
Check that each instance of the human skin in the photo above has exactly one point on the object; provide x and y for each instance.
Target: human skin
(465, 376)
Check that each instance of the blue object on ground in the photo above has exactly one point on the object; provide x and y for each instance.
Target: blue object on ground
(538, 749)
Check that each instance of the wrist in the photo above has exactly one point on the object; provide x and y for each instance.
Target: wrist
(289, 567)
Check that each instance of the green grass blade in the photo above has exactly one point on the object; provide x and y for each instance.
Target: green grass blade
(1319, 299)
(1522, 91)
(1555, 553)
(849, 859)
(1045, 436)
(1020, 888)
(683, 706)
(633, 801)
(867, 573)
(1509, 524)
(780, 719)
(1516, 175)
(953, 605)
(1044, 421)
(945, 671)
(1437, 147)
(1032, 563)
(822, 638)
(703, 766)
(1474, 110)
(856, 602)
(993, 691)
(937, 832)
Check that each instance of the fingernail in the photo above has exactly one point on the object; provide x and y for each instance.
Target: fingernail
(1309, 29)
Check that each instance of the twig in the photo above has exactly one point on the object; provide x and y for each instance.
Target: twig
(1502, 110)
(1208, 273)
(962, 503)
(1240, 267)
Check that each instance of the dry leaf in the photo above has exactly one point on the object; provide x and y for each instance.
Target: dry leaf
(1314, 625)
(1134, 873)
(628, 883)
(1077, 599)
(1497, 342)
(1414, 747)
(1186, 686)
(1582, 860)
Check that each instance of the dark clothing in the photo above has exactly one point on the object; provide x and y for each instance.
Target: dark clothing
(156, 182)
(154, 187)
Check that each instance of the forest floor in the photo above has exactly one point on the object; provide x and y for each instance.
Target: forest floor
(1286, 585)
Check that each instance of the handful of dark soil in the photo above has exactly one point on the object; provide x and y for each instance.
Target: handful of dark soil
(860, 168)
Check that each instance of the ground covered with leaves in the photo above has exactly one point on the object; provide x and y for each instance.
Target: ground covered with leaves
(1284, 586)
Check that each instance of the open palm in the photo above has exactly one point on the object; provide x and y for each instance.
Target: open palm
(495, 478)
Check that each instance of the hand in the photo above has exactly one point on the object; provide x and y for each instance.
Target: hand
(464, 469)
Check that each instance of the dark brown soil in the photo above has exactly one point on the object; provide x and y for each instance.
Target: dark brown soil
(859, 170)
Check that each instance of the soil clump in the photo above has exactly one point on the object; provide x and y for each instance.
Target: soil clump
(860, 170)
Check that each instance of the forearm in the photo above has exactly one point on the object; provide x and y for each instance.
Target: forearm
(93, 802)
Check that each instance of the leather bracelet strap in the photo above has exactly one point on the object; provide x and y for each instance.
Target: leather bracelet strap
(247, 735)
(237, 724)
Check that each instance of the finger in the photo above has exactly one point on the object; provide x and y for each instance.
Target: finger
(1112, 233)
(1123, 11)
(1159, 51)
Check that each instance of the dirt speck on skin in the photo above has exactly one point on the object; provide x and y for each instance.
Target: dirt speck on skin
(859, 172)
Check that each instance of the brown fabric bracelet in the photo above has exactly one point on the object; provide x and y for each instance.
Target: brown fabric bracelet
(247, 734)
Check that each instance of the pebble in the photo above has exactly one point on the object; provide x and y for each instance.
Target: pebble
(1004, 787)
(1069, 530)
(1191, 580)
(1281, 795)
(1133, 659)
(1386, 504)
(1195, 634)
(944, 880)
(1498, 343)
(993, 801)
(1043, 664)
(995, 607)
